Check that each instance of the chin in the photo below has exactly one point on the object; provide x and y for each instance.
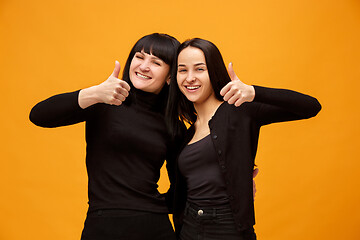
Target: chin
(138, 85)
(192, 100)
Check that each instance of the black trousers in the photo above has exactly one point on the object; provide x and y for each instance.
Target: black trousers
(212, 224)
(127, 224)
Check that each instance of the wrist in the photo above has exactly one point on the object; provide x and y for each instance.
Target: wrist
(88, 97)
(252, 93)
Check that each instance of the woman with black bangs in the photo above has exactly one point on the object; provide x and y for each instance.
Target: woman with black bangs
(127, 142)
(214, 194)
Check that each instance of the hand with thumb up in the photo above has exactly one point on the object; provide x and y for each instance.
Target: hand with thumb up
(112, 91)
(236, 92)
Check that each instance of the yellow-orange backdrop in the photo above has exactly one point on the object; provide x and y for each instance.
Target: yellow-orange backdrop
(309, 170)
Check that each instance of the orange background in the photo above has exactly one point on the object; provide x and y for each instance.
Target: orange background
(308, 186)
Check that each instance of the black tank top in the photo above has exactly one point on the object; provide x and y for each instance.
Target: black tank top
(198, 164)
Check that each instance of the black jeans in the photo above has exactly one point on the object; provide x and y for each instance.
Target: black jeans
(127, 225)
(212, 224)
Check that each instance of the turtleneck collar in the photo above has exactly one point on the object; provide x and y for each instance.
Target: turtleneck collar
(150, 101)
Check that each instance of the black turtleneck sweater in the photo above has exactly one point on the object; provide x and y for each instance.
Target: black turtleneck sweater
(126, 147)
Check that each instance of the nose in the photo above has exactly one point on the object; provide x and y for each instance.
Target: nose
(190, 77)
(145, 66)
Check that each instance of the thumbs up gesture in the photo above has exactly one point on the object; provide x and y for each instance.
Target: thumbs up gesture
(112, 91)
(237, 92)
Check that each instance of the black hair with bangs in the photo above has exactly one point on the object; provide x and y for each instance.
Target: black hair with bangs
(160, 45)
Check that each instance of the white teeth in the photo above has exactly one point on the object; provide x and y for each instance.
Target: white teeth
(142, 76)
(192, 87)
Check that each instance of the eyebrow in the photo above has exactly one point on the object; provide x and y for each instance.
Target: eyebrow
(197, 64)
(152, 56)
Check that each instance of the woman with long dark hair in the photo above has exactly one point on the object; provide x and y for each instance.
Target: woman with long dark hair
(214, 194)
(127, 142)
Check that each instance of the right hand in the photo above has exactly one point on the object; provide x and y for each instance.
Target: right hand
(113, 91)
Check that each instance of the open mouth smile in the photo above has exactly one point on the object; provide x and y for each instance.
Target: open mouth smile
(192, 87)
(142, 76)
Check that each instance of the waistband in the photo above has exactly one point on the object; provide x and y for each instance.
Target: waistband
(118, 213)
(208, 211)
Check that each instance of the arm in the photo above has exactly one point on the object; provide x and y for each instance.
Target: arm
(274, 105)
(70, 108)
(279, 105)
(59, 110)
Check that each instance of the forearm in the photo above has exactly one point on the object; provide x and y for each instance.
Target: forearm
(292, 101)
(279, 105)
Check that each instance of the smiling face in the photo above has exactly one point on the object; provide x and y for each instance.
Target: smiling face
(148, 72)
(192, 75)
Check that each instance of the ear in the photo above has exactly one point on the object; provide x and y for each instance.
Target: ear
(168, 80)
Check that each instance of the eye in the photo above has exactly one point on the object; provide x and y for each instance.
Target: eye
(139, 56)
(201, 69)
(157, 63)
(181, 70)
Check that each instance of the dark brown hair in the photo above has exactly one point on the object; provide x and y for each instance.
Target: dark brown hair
(180, 109)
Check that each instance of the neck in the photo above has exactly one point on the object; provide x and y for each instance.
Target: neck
(148, 100)
(206, 109)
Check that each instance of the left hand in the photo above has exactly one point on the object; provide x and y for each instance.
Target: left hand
(237, 92)
(255, 172)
